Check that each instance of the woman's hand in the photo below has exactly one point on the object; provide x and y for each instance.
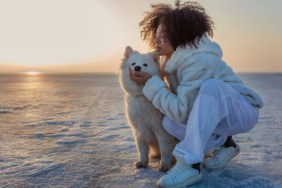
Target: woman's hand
(139, 78)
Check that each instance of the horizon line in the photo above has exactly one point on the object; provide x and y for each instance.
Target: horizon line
(115, 72)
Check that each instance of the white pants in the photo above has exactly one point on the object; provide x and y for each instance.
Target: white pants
(219, 111)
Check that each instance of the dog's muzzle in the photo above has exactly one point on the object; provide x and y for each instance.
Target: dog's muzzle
(137, 68)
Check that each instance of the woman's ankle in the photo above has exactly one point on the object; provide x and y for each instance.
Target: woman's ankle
(229, 142)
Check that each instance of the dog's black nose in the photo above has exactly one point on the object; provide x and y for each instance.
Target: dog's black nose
(137, 68)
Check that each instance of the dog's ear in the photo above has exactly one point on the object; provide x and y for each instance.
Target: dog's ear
(155, 56)
(128, 51)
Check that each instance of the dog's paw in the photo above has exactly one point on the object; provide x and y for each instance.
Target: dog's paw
(140, 164)
(164, 167)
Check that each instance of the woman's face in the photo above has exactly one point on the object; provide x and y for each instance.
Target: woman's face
(163, 45)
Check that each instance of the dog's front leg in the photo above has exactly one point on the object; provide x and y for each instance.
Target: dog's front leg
(166, 144)
(143, 151)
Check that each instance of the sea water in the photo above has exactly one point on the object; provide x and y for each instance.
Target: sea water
(69, 130)
(46, 125)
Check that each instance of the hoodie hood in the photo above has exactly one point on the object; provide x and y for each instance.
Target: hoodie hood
(182, 53)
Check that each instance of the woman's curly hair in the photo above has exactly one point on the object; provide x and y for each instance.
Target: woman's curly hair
(185, 24)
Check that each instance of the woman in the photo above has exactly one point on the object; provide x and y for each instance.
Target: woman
(206, 102)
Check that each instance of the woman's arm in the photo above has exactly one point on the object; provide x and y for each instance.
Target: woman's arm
(177, 106)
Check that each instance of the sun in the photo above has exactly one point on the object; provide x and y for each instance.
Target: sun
(32, 73)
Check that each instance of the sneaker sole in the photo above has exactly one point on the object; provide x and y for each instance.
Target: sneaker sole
(192, 181)
(188, 182)
(237, 151)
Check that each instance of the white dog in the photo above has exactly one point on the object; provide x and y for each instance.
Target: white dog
(145, 119)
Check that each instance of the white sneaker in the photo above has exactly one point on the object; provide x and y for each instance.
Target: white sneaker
(221, 158)
(181, 175)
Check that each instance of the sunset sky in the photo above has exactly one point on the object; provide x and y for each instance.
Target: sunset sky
(91, 35)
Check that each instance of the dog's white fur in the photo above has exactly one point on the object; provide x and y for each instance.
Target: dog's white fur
(145, 119)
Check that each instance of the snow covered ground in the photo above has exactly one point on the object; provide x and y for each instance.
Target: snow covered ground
(70, 131)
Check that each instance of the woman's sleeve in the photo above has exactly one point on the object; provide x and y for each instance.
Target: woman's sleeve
(175, 106)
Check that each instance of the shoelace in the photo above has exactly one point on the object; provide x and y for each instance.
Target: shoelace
(219, 155)
(178, 169)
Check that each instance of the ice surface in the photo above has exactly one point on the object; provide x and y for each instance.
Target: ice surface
(70, 131)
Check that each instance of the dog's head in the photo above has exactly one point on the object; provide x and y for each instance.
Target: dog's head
(137, 62)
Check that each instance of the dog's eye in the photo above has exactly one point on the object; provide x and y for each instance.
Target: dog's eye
(145, 65)
(133, 63)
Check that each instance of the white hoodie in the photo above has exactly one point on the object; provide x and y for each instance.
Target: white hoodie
(187, 69)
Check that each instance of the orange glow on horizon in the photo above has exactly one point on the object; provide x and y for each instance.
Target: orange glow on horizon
(32, 73)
